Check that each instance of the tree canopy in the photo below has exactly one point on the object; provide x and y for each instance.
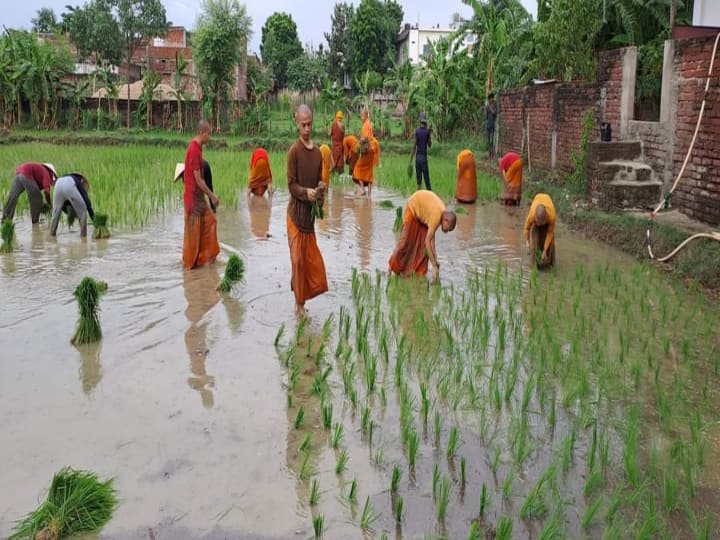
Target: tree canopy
(94, 31)
(44, 21)
(373, 33)
(279, 45)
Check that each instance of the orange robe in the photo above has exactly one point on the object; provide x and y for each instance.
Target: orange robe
(424, 210)
(512, 192)
(260, 173)
(466, 188)
(200, 245)
(308, 269)
(542, 237)
(350, 144)
(363, 172)
(327, 163)
(337, 135)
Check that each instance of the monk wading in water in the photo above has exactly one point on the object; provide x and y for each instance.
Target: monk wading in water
(368, 150)
(425, 212)
(337, 136)
(350, 144)
(304, 172)
(466, 187)
(260, 179)
(511, 168)
(327, 163)
(540, 230)
(200, 244)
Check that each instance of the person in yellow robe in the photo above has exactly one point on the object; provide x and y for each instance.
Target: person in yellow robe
(540, 230)
(350, 147)
(337, 135)
(327, 163)
(466, 187)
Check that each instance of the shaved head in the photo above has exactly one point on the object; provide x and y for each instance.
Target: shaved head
(303, 121)
(303, 110)
(541, 216)
(203, 127)
(448, 222)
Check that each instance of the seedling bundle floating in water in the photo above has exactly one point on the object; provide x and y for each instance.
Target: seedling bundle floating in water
(88, 296)
(77, 503)
(397, 227)
(100, 229)
(7, 231)
(234, 272)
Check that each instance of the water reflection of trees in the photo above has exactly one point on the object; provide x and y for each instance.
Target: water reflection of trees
(201, 295)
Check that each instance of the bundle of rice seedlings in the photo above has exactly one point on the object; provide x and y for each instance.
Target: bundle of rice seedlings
(7, 231)
(77, 503)
(71, 216)
(88, 295)
(100, 229)
(397, 227)
(386, 204)
(234, 272)
(317, 211)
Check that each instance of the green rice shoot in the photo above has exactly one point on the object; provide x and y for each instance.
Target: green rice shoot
(88, 296)
(234, 272)
(100, 228)
(7, 231)
(386, 204)
(77, 503)
(397, 227)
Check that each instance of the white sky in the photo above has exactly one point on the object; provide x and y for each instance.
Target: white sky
(311, 16)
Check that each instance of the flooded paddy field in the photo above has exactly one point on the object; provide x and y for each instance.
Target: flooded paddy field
(578, 402)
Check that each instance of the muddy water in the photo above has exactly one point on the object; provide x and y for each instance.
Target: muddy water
(184, 401)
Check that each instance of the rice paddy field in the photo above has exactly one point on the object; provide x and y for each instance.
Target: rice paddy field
(502, 403)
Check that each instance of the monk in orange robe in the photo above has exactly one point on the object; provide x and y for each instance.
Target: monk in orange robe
(260, 174)
(511, 167)
(304, 173)
(337, 135)
(327, 163)
(350, 146)
(200, 243)
(540, 230)
(363, 174)
(466, 187)
(425, 212)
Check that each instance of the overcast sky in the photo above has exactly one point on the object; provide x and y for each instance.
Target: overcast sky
(311, 16)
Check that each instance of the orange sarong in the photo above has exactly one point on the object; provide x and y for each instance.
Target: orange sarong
(200, 245)
(337, 136)
(513, 186)
(410, 256)
(350, 144)
(466, 187)
(260, 173)
(363, 171)
(308, 269)
(326, 160)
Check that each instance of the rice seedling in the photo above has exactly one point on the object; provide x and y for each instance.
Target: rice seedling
(368, 516)
(452, 442)
(463, 472)
(568, 446)
(289, 401)
(337, 436)
(306, 443)
(341, 463)
(593, 482)
(412, 448)
(504, 528)
(306, 469)
(670, 492)
(591, 512)
(424, 403)
(314, 492)
(100, 227)
(352, 495)
(702, 530)
(234, 272)
(398, 510)
(77, 503)
(443, 499)
(435, 480)
(7, 232)
(317, 210)
(365, 419)
(495, 460)
(474, 532)
(507, 485)
(88, 295)
(395, 479)
(327, 415)
(300, 417)
(386, 204)
(279, 335)
(484, 500)
(379, 456)
(397, 226)
(318, 526)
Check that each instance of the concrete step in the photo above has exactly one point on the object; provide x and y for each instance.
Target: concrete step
(608, 151)
(623, 170)
(630, 194)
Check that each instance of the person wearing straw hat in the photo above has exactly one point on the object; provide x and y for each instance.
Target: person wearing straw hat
(33, 178)
(200, 242)
(422, 143)
(337, 134)
(71, 191)
(207, 176)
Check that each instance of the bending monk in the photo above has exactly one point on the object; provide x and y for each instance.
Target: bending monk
(425, 212)
(540, 230)
(260, 174)
(466, 187)
(363, 174)
(350, 146)
(200, 245)
(511, 168)
(33, 178)
(71, 191)
(304, 172)
(326, 164)
(337, 136)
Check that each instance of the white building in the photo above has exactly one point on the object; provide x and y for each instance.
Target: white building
(414, 43)
(706, 13)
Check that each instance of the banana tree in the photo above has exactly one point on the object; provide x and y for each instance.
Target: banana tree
(178, 93)
(151, 81)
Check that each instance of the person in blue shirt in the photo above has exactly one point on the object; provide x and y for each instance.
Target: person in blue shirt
(419, 152)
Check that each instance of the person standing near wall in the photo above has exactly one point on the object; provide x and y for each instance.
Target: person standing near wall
(422, 143)
(491, 116)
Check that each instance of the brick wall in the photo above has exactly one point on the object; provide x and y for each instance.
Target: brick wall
(511, 128)
(698, 194)
(571, 103)
(609, 80)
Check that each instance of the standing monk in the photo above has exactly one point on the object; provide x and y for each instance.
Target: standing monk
(350, 146)
(260, 174)
(540, 230)
(200, 245)
(363, 172)
(425, 212)
(466, 188)
(511, 167)
(491, 115)
(304, 171)
(33, 178)
(337, 134)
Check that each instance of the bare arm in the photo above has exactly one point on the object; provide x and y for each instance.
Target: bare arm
(430, 246)
(549, 238)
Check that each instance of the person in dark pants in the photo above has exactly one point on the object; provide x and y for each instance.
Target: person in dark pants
(71, 191)
(419, 152)
(207, 175)
(491, 115)
(33, 178)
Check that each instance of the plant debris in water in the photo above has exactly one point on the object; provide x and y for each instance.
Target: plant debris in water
(460, 211)
(397, 227)
(386, 204)
(234, 272)
(7, 231)
(88, 296)
(77, 503)
(100, 229)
